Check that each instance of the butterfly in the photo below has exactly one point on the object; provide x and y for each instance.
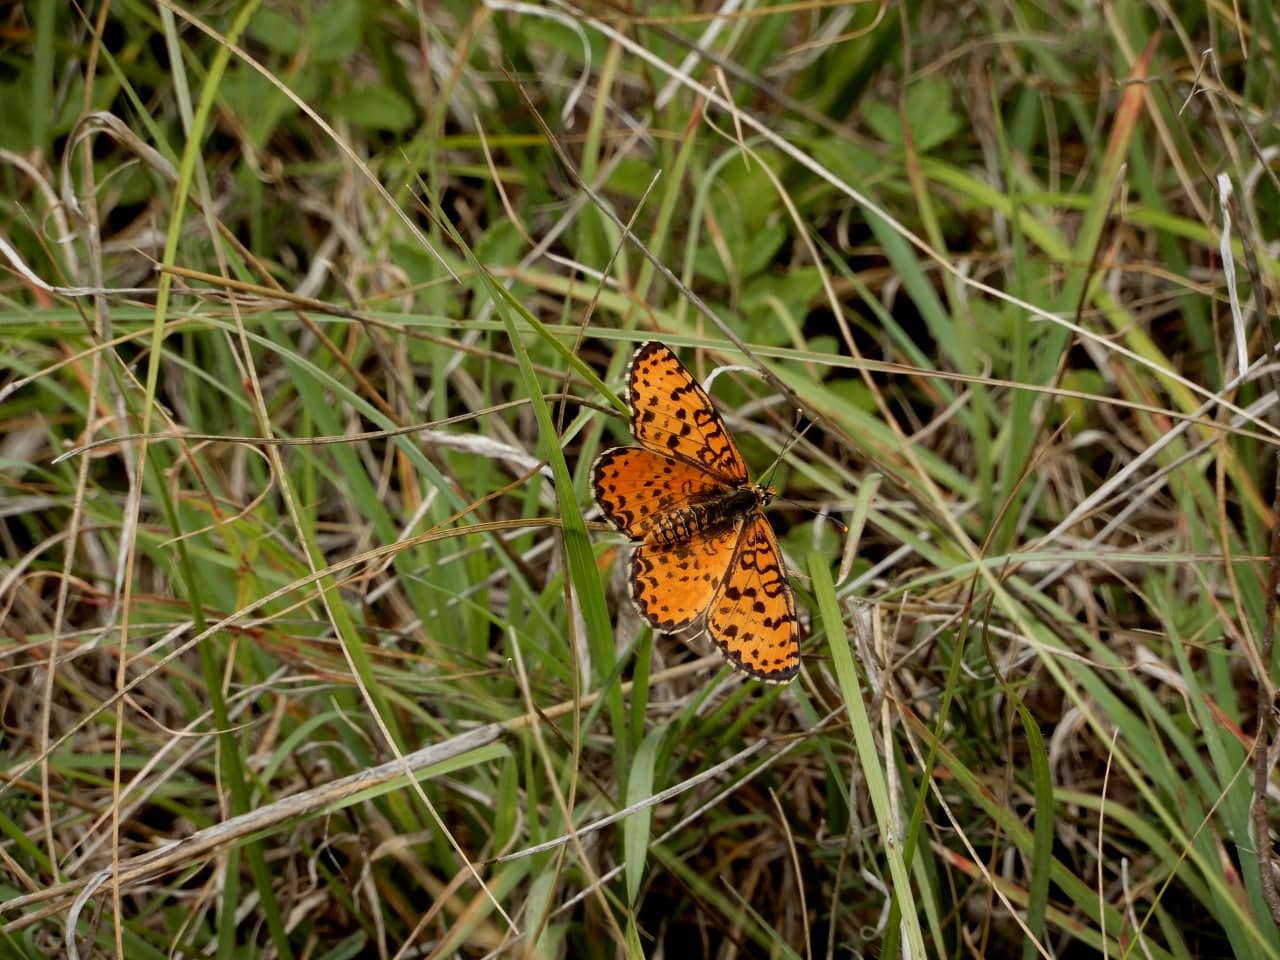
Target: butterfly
(704, 553)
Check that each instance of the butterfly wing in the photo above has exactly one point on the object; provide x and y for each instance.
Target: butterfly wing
(672, 583)
(635, 487)
(752, 616)
(671, 414)
(730, 577)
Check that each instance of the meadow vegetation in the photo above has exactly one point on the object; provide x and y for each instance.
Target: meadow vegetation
(315, 315)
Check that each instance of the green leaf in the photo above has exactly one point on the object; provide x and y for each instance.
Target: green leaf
(277, 32)
(377, 108)
(338, 31)
(930, 115)
(635, 828)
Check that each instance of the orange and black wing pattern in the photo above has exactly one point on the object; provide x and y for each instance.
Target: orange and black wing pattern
(673, 584)
(752, 617)
(705, 554)
(636, 488)
(671, 414)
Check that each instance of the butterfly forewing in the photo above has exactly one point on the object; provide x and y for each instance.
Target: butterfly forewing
(672, 414)
(752, 617)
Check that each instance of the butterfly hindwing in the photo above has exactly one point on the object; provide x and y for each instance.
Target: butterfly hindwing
(672, 583)
(636, 486)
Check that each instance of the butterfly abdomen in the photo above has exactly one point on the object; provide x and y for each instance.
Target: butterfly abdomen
(685, 523)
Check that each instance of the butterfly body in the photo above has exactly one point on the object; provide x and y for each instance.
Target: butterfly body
(708, 516)
(704, 552)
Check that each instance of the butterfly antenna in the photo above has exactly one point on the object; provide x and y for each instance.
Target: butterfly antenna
(792, 439)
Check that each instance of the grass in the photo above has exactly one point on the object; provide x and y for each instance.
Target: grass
(313, 642)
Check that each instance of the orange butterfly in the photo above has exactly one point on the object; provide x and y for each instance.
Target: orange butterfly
(705, 552)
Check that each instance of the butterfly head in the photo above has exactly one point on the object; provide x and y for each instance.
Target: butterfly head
(765, 494)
